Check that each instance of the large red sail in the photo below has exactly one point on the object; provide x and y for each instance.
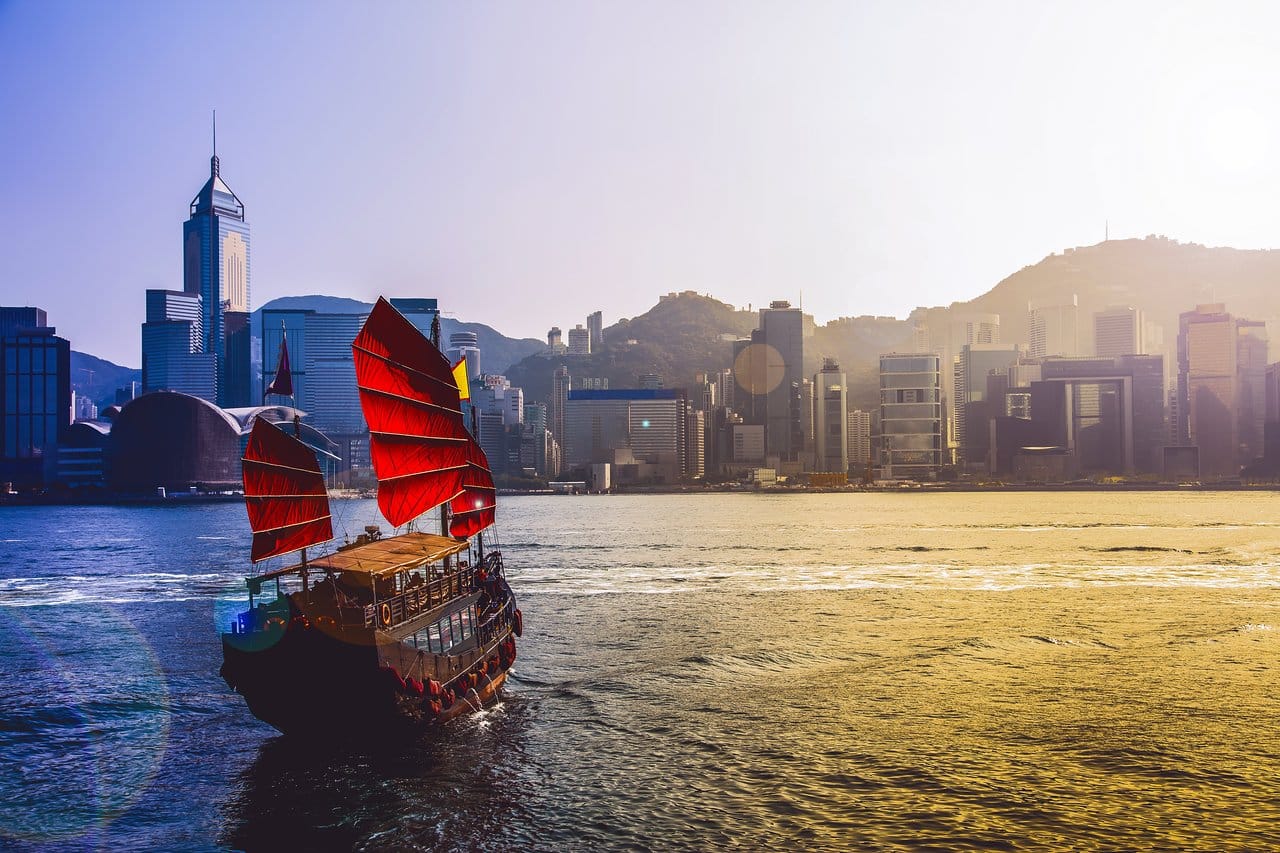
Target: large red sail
(474, 508)
(417, 441)
(284, 492)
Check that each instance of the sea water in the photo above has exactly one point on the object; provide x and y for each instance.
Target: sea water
(1024, 671)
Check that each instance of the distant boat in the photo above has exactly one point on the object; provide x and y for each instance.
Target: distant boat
(384, 633)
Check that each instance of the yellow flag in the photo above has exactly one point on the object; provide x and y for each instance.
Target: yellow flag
(460, 379)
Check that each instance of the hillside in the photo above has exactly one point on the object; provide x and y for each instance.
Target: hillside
(677, 338)
(98, 379)
(1161, 276)
(690, 333)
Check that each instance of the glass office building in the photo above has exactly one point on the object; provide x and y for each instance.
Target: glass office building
(910, 416)
(215, 242)
(35, 403)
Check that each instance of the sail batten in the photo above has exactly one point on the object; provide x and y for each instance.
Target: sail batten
(284, 493)
(475, 507)
(417, 440)
(444, 384)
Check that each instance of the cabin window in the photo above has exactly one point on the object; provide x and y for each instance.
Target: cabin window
(434, 642)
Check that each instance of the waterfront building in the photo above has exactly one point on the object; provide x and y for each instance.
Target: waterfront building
(859, 441)
(1053, 327)
(1251, 364)
(595, 328)
(830, 419)
(1109, 412)
(216, 267)
(1119, 330)
(910, 416)
(695, 432)
(808, 409)
(537, 450)
(946, 339)
(650, 423)
(971, 369)
(748, 443)
(14, 318)
(176, 442)
(1221, 382)
(173, 341)
(35, 397)
(783, 328)
(560, 383)
(579, 340)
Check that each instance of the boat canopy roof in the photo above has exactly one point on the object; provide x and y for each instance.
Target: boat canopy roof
(382, 557)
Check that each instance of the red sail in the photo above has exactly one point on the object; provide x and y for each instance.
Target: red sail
(284, 493)
(283, 383)
(473, 509)
(417, 441)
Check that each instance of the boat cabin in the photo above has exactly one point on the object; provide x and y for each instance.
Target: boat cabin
(376, 584)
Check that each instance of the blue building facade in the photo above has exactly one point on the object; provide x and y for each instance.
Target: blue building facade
(324, 375)
(173, 356)
(216, 266)
(35, 402)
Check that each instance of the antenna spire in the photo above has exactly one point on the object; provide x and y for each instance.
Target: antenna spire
(214, 163)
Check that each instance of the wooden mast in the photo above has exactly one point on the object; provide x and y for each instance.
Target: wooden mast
(297, 433)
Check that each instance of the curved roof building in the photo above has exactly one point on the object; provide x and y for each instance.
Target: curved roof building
(176, 441)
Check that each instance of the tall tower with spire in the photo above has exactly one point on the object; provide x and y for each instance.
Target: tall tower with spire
(215, 241)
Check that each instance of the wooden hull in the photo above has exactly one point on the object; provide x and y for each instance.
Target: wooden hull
(310, 677)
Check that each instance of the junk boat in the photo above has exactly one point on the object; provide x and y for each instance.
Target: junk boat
(382, 633)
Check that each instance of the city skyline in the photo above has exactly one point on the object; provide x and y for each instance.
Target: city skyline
(736, 166)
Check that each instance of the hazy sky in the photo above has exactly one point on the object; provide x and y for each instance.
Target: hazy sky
(530, 162)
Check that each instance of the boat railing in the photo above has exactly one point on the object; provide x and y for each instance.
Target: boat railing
(406, 605)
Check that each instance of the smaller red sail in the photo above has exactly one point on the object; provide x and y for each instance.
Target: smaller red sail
(473, 509)
(283, 383)
(284, 492)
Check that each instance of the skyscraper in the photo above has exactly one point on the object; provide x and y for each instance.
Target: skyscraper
(910, 416)
(1118, 330)
(783, 331)
(1251, 364)
(1053, 327)
(859, 440)
(324, 374)
(971, 369)
(946, 338)
(216, 267)
(173, 356)
(560, 382)
(595, 326)
(579, 340)
(35, 396)
(830, 420)
(14, 319)
(1209, 387)
(466, 345)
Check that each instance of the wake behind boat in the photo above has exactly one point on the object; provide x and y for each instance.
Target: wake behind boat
(382, 633)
